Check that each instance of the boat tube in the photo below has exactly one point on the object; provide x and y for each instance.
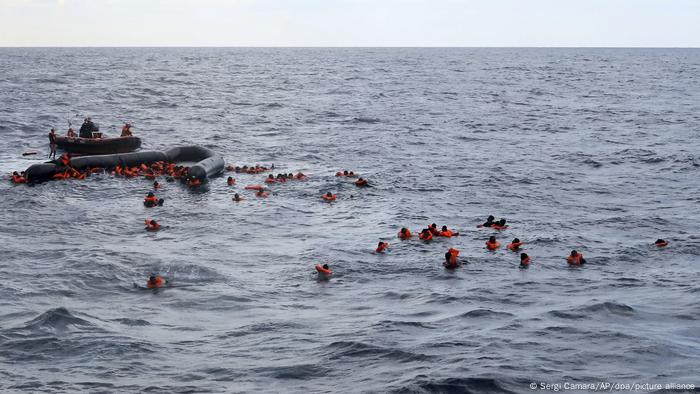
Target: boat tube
(98, 146)
(206, 162)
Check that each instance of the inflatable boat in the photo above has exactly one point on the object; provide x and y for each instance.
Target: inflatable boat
(98, 146)
(202, 162)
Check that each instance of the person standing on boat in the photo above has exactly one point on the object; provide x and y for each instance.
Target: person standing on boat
(126, 130)
(71, 133)
(52, 143)
(87, 128)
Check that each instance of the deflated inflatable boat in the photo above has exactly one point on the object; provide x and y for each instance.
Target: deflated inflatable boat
(202, 162)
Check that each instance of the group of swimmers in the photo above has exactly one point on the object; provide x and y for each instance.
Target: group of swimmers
(575, 258)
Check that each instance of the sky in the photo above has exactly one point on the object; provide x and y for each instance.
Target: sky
(421, 23)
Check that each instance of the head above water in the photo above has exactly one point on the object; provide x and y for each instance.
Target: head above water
(516, 240)
(491, 218)
(502, 222)
(153, 223)
(523, 256)
(150, 194)
(492, 239)
(574, 253)
(345, 172)
(329, 194)
(444, 228)
(433, 225)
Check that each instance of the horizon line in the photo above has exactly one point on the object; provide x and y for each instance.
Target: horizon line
(347, 46)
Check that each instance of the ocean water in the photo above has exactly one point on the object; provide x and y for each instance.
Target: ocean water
(588, 149)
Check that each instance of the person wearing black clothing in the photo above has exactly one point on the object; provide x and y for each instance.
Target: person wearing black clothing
(52, 143)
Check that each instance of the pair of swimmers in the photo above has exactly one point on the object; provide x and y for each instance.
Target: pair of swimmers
(496, 225)
(346, 173)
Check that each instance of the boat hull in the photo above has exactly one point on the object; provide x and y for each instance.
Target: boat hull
(98, 146)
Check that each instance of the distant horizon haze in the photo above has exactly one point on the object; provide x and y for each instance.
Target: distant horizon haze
(351, 23)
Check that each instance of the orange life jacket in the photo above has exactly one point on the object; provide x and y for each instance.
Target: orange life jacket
(661, 244)
(339, 174)
(65, 160)
(261, 194)
(514, 246)
(322, 270)
(253, 187)
(361, 182)
(381, 247)
(525, 261)
(574, 260)
(328, 198)
(195, 182)
(499, 227)
(18, 179)
(155, 284)
(405, 235)
(153, 200)
(492, 246)
(425, 236)
(447, 233)
(270, 180)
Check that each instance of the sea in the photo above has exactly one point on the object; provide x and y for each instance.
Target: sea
(596, 150)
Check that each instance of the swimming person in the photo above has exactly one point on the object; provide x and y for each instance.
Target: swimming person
(515, 245)
(447, 233)
(152, 225)
(524, 260)
(404, 233)
(230, 181)
(575, 258)
(155, 281)
(660, 243)
(381, 246)
(237, 198)
(492, 244)
(488, 222)
(451, 258)
(151, 200)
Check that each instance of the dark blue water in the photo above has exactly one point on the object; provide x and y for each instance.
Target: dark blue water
(588, 149)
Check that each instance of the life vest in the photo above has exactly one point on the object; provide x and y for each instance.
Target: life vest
(322, 270)
(425, 236)
(514, 246)
(261, 194)
(158, 282)
(300, 176)
(231, 181)
(525, 261)
(65, 160)
(150, 201)
(361, 183)
(18, 179)
(59, 176)
(499, 227)
(328, 198)
(405, 235)
(492, 246)
(270, 180)
(253, 187)
(575, 260)
(452, 261)
(661, 244)
(447, 233)
(339, 174)
(381, 247)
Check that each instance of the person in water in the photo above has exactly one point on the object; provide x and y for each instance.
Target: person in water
(660, 243)
(524, 260)
(237, 198)
(489, 222)
(500, 225)
(451, 258)
(515, 245)
(433, 229)
(404, 233)
(151, 200)
(230, 181)
(361, 182)
(492, 243)
(152, 225)
(575, 258)
(445, 232)
(382, 246)
(425, 235)
(155, 281)
(328, 196)
(52, 143)
(156, 185)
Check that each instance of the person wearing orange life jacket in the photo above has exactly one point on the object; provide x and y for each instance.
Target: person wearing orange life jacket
(575, 258)
(155, 282)
(152, 225)
(194, 182)
(451, 258)
(488, 223)
(447, 233)
(515, 245)
(524, 260)
(156, 185)
(236, 198)
(17, 178)
(270, 179)
(433, 229)
(324, 271)
(404, 233)
(329, 197)
(360, 182)
(261, 193)
(151, 200)
(300, 176)
(65, 159)
(381, 246)
(350, 174)
(230, 181)
(492, 244)
(425, 235)
(500, 225)
(660, 243)
(344, 173)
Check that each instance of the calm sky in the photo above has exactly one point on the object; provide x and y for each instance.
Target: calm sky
(350, 23)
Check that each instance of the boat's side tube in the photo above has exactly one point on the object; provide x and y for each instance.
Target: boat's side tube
(208, 163)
